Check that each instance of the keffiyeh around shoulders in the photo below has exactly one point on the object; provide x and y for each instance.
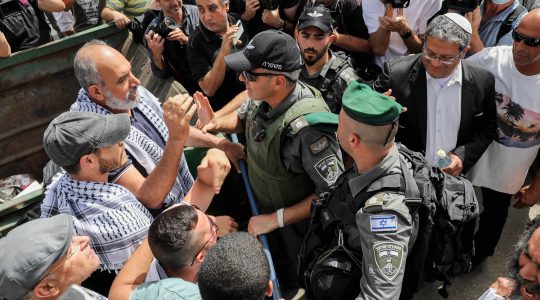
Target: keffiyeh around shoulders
(139, 146)
(116, 222)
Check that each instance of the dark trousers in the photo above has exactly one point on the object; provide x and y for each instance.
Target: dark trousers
(492, 221)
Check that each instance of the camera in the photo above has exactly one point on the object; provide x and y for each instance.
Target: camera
(8, 8)
(164, 27)
(398, 3)
(269, 4)
(462, 6)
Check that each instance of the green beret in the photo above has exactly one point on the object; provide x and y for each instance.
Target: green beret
(322, 121)
(367, 106)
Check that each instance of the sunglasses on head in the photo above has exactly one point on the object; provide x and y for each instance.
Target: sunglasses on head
(529, 41)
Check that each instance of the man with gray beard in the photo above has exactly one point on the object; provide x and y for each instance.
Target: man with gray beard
(524, 281)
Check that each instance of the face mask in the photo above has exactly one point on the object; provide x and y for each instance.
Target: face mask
(499, 1)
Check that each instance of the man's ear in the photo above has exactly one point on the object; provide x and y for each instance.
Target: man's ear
(465, 51)
(269, 288)
(353, 139)
(96, 92)
(332, 38)
(87, 161)
(46, 289)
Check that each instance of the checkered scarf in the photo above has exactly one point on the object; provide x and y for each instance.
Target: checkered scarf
(139, 146)
(116, 222)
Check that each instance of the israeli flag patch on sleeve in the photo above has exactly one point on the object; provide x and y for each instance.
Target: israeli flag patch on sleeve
(383, 223)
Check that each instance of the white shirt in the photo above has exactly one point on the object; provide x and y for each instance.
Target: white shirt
(443, 113)
(417, 14)
(505, 163)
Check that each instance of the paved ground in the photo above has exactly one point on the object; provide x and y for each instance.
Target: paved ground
(471, 286)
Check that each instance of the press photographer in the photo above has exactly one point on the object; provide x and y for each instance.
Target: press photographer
(493, 21)
(166, 39)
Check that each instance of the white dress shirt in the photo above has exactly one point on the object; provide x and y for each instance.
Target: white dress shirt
(443, 113)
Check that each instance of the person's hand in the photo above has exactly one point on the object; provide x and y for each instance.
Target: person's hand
(262, 224)
(155, 43)
(120, 20)
(455, 167)
(234, 151)
(226, 225)
(178, 35)
(272, 18)
(206, 121)
(504, 286)
(252, 6)
(227, 40)
(400, 23)
(526, 197)
(213, 169)
(474, 17)
(177, 113)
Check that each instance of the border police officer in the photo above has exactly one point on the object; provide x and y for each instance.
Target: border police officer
(385, 230)
(291, 155)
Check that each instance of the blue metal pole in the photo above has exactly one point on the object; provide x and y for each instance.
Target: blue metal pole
(276, 294)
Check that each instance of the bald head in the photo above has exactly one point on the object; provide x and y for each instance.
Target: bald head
(92, 60)
(527, 57)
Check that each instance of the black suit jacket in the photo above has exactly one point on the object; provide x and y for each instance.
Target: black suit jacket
(406, 77)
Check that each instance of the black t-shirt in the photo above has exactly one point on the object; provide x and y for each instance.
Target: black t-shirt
(203, 48)
(23, 24)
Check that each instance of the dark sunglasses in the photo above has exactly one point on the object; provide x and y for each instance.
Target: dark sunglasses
(213, 226)
(252, 76)
(529, 41)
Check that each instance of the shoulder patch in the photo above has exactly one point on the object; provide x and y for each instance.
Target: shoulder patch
(376, 200)
(383, 223)
(298, 124)
(319, 145)
(328, 168)
(389, 258)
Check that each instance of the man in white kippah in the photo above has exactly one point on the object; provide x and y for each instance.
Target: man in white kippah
(450, 101)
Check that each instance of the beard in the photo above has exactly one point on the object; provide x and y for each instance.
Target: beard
(107, 165)
(316, 57)
(121, 104)
(530, 287)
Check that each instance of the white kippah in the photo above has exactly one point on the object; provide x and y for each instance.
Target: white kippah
(460, 21)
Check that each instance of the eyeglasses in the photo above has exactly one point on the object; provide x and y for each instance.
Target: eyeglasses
(529, 41)
(252, 76)
(75, 248)
(214, 230)
(443, 60)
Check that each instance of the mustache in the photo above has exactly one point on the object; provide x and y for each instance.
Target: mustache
(310, 50)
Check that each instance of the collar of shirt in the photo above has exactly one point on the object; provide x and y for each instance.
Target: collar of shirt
(210, 36)
(456, 78)
(501, 16)
(359, 182)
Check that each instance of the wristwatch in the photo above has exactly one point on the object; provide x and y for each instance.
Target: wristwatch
(407, 35)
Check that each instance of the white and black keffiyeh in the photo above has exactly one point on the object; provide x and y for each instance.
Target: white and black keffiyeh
(140, 147)
(116, 222)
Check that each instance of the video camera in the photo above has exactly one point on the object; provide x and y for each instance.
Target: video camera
(164, 27)
(398, 3)
(269, 4)
(462, 6)
(8, 8)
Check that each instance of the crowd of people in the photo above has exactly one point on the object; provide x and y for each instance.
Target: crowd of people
(322, 95)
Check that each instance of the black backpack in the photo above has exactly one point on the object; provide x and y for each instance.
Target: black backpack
(444, 205)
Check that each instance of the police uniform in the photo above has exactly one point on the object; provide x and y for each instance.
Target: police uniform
(290, 154)
(332, 80)
(334, 77)
(385, 230)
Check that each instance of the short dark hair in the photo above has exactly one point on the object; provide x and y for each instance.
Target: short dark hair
(513, 260)
(170, 237)
(235, 268)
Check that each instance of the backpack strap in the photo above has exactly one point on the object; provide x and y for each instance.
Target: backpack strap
(508, 23)
(336, 67)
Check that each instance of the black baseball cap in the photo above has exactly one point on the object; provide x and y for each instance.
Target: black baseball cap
(316, 16)
(74, 134)
(271, 50)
